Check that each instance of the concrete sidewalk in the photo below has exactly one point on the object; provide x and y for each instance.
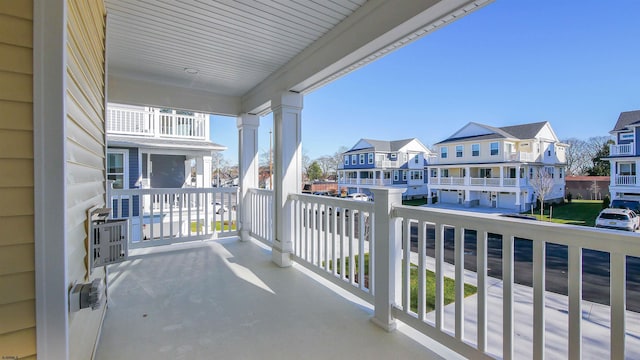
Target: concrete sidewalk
(595, 320)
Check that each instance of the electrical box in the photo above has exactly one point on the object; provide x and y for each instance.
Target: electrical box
(88, 295)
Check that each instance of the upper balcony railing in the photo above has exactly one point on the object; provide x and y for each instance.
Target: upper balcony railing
(519, 156)
(621, 149)
(156, 123)
(378, 182)
(625, 180)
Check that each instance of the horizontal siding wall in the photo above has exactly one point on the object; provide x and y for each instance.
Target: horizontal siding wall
(85, 148)
(17, 276)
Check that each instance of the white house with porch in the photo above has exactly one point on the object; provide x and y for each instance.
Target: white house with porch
(482, 165)
(65, 60)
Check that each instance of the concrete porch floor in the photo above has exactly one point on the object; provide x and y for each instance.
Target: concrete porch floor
(225, 299)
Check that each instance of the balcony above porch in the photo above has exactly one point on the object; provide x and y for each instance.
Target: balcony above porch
(622, 149)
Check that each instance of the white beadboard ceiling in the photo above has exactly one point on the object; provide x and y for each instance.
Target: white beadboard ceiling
(245, 50)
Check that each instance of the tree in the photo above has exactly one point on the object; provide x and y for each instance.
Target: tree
(578, 156)
(326, 164)
(314, 172)
(600, 163)
(542, 184)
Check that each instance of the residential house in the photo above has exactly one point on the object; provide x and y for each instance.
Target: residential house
(64, 60)
(481, 165)
(373, 163)
(158, 148)
(624, 156)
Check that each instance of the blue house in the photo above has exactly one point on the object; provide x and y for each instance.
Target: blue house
(374, 163)
(624, 157)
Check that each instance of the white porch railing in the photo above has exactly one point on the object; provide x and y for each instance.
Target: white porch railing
(622, 149)
(485, 181)
(126, 121)
(164, 216)
(379, 182)
(261, 202)
(625, 180)
(388, 163)
(327, 239)
(331, 235)
(521, 156)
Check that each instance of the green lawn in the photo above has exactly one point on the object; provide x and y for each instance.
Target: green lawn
(449, 284)
(414, 202)
(218, 224)
(578, 212)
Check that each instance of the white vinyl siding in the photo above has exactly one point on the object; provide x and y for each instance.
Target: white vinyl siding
(85, 177)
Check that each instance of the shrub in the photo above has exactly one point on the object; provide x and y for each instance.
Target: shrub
(606, 202)
(569, 198)
(579, 196)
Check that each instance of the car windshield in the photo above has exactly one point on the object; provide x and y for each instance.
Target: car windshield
(626, 204)
(609, 216)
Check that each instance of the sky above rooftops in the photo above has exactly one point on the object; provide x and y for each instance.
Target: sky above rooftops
(572, 63)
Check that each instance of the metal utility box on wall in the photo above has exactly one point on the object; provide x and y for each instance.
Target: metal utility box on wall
(109, 239)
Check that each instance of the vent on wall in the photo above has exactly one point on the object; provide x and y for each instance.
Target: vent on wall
(109, 239)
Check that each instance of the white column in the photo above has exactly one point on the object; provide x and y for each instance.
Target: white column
(501, 176)
(467, 176)
(248, 164)
(207, 171)
(287, 109)
(387, 256)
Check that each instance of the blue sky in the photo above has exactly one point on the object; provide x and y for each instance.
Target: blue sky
(573, 63)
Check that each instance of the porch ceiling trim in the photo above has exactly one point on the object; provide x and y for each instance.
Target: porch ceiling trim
(140, 92)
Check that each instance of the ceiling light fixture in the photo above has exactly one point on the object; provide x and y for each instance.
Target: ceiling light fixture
(191, 71)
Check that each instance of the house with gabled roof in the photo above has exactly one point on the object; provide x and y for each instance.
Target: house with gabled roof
(373, 163)
(482, 165)
(624, 156)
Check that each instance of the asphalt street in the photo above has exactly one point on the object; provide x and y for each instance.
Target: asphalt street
(595, 265)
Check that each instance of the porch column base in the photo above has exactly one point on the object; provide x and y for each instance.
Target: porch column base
(282, 259)
(244, 235)
(390, 326)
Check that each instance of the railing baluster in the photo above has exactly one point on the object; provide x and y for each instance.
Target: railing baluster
(343, 254)
(539, 269)
(422, 265)
(325, 215)
(361, 268)
(334, 240)
(406, 264)
(482, 239)
(352, 264)
(575, 302)
(459, 282)
(439, 295)
(618, 305)
(507, 296)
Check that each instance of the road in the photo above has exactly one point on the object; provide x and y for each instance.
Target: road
(595, 265)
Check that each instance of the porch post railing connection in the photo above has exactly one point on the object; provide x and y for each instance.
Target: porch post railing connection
(248, 158)
(386, 256)
(287, 109)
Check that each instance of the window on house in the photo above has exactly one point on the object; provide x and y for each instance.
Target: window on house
(404, 176)
(512, 173)
(560, 173)
(627, 169)
(434, 173)
(395, 175)
(475, 150)
(551, 171)
(626, 136)
(404, 157)
(444, 173)
(416, 159)
(117, 168)
(485, 173)
(416, 175)
(444, 152)
(361, 159)
(354, 159)
(495, 148)
(370, 158)
(459, 150)
(346, 159)
(394, 156)
(530, 173)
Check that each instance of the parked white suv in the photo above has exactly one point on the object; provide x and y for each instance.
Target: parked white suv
(358, 196)
(621, 219)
